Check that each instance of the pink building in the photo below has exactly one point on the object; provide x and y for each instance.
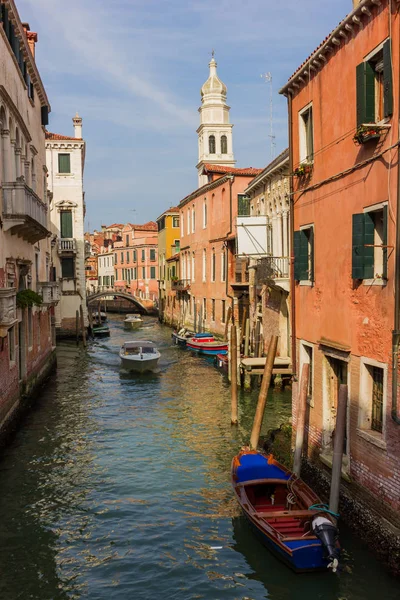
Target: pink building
(136, 260)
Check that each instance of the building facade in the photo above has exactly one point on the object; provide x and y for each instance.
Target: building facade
(168, 246)
(105, 268)
(65, 158)
(27, 293)
(344, 111)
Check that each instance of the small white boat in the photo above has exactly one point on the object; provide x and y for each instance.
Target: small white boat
(133, 321)
(140, 356)
(103, 316)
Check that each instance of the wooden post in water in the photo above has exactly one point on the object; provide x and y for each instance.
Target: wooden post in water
(228, 318)
(243, 326)
(257, 339)
(82, 326)
(262, 398)
(77, 327)
(90, 318)
(234, 392)
(301, 417)
(247, 338)
(338, 448)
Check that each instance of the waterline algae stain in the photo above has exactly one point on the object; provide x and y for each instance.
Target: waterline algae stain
(118, 486)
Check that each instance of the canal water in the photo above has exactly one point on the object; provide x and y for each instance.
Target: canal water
(118, 487)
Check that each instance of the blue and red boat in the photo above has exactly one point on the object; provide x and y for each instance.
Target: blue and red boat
(285, 513)
(207, 345)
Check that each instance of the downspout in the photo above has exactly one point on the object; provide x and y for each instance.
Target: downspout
(396, 331)
(231, 179)
(291, 219)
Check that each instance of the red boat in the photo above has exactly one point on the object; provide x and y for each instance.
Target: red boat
(209, 346)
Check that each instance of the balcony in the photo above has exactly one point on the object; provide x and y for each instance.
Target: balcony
(24, 214)
(180, 285)
(273, 269)
(50, 292)
(8, 309)
(175, 249)
(67, 246)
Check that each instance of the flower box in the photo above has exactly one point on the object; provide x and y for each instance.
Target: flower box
(365, 134)
(303, 169)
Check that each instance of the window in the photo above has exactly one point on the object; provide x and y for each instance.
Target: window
(204, 308)
(306, 137)
(134, 256)
(373, 392)
(11, 344)
(64, 163)
(122, 258)
(211, 144)
(127, 257)
(116, 258)
(143, 272)
(224, 144)
(369, 245)
(377, 399)
(243, 205)
(374, 87)
(67, 268)
(304, 254)
(66, 224)
(152, 272)
(188, 221)
(175, 221)
(223, 317)
(204, 265)
(182, 226)
(306, 356)
(213, 266)
(135, 273)
(193, 220)
(223, 265)
(204, 213)
(213, 309)
(193, 266)
(177, 244)
(143, 255)
(127, 240)
(152, 254)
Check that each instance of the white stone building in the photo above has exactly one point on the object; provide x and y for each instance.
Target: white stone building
(27, 296)
(215, 131)
(105, 268)
(65, 157)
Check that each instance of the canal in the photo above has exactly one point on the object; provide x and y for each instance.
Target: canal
(118, 487)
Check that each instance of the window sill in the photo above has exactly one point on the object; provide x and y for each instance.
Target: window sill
(378, 281)
(373, 437)
(64, 174)
(306, 282)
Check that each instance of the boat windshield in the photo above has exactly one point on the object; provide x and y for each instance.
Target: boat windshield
(132, 350)
(148, 350)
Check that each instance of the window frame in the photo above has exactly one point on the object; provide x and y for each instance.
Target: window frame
(64, 154)
(305, 137)
(299, 244)
(364, 429)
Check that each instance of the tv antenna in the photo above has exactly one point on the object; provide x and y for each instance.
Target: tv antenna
(268, 78)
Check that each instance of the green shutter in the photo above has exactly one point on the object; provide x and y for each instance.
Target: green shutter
(365, 83)
(64, 163)
(385, 241)
(66, 224)
(387, 80)
(357, 270)
(369, 236)
(243, 205)
(311, 261)
(296, 249)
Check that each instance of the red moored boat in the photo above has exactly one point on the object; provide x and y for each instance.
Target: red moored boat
(208, 345)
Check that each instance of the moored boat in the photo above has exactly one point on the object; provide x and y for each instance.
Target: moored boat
(285, 513)
(133, 321)
(207, 345)
(103, 316)
(181, 337)
(222, 362)
(101, 330)
(139, 355)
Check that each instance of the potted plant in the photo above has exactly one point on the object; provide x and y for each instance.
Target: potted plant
(28, 298)
(365, 133)
(303, 169)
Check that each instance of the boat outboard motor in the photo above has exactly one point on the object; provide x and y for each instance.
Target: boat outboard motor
(327, 533)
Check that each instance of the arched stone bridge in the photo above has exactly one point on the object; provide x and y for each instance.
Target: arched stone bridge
(113, 294)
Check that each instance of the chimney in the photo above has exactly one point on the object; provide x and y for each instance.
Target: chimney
(77, 121)
(31, 37)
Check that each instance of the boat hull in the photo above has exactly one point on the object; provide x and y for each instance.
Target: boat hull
(101, 331)
(209, 348)
(139, 365)
(132, 324)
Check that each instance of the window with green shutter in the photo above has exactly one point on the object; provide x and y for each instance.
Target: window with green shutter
(243, 205)
(304, 254)
(365, 79)
(369, 245)
(152, 272)
(67, 268)
(387, 80)
(375, 87)
(66, 224)
(64, 163)
(152, 254)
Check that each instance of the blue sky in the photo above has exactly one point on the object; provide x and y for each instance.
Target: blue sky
(133, 70)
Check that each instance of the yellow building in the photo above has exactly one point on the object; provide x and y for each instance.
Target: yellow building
(168, 247)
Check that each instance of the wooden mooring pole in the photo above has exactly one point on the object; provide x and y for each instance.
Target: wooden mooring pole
(262, 397)
(243, 326)
(301, 418)
(82, 326)
(234, 390)
(340, 430)
(77, 327)
(228, 319)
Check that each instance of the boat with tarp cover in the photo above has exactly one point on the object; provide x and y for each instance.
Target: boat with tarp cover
(139, 355)
(285, 513)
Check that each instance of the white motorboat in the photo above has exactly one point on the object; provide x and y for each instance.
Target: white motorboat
(139, 355)
(133, 321)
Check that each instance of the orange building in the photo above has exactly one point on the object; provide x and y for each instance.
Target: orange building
(344, 131)
(210, 279)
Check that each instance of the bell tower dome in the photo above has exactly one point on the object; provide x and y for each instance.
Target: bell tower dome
(215, 131)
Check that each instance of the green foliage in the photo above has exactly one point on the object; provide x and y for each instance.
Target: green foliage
(27, 298)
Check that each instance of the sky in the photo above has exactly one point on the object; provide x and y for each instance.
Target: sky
(133, 70)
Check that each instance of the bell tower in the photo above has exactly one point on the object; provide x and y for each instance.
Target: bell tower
(215, 130)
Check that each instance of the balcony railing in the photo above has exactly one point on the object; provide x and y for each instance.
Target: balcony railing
(67, 245)
(24, 214)
(272, 267)
(50, 291)
(180, 285)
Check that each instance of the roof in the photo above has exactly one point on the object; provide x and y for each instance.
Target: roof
(119, 225)
(59, 136)
(150, 226)
(248, 171)
(170, 211)
(317, 58)
(279, 161)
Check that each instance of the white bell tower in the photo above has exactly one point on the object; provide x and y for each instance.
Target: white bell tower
(215, 131)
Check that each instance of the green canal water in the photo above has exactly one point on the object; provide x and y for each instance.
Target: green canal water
(118, 487)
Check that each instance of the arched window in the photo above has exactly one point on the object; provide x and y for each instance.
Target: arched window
(211, 144)
(224, 144)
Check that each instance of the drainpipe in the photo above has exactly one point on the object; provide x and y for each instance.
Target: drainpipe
(231, 179)
(396, 330)
(291, 219)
